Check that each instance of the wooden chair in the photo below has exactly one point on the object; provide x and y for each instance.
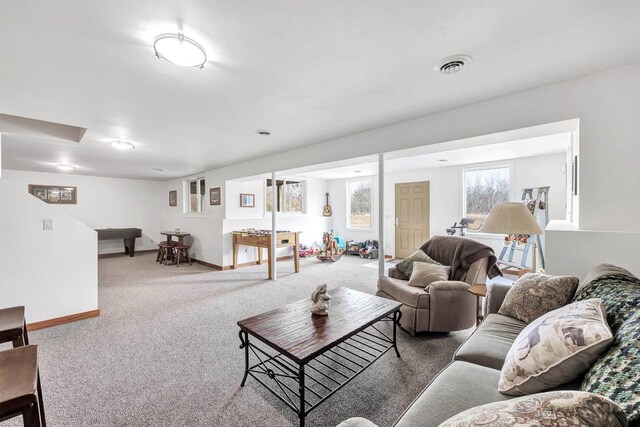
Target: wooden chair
(13, 328)
(181, 250)
(18, 384)
(161, 253)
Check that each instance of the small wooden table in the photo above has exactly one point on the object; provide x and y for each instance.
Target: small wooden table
(479, 290)
(334, 348)
(181, 235)
(262, 239)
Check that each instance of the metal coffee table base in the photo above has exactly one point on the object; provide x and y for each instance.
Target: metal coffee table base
(302, 387)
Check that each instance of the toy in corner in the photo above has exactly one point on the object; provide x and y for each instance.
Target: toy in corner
(367, 249)
(330, 250)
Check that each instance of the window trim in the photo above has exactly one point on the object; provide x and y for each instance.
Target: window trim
(463, 200)
(201, 196)
(284, 181)
(348, 204)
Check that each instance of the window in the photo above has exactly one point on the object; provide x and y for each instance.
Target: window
(359, 204)
(482, 189)
(195, 196)
(290, 196)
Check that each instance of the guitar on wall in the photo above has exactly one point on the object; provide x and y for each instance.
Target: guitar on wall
(327, 208)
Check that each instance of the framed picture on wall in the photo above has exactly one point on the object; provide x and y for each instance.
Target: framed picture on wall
(173, 198)
(214, 196)
(247, 200)
(55, 194)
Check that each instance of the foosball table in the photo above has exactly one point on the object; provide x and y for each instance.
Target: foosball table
(262, 239)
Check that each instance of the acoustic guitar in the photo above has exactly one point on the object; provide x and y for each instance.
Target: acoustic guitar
(327, 209)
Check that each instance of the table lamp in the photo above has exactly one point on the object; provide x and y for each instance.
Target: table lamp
(512, 218)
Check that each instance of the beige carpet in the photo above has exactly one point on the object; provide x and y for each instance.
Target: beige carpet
(165, 351)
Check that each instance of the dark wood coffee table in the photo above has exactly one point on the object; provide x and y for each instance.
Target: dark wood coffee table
(310, 357)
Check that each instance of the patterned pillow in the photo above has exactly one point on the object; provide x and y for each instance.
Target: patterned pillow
(536, 294)
(555, 348)
(616, 374)
(406, 265)
(556, 408)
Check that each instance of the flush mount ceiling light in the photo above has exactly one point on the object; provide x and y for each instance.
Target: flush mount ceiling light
(179, 50)
(263, 132)
(120, 144)
(452, 64)
(65, 167)
(442, 160)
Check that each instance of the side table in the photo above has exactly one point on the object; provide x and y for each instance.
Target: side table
(479, 290)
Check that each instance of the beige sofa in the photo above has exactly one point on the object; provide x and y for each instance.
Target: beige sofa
(446, 306)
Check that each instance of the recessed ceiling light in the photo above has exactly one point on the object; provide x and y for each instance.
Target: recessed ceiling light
(159, 169)
(65, 167)
(452, 64)
(442, 160)
(357, 171)
(179, 50)
(263, 132)
(120, 144)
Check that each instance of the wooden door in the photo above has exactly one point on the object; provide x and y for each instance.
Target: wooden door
(412, 217)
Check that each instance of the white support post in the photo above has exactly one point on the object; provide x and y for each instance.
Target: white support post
(380, 215)
(274, 209)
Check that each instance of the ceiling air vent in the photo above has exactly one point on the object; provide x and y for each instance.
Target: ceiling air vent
(452, 64)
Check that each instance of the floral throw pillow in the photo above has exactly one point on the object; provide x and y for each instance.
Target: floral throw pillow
(555, 408)
(536, 294)
(556, 348)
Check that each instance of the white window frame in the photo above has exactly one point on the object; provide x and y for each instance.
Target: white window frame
(348, 203)
(463, 184)
(284, 183)
(200, 196)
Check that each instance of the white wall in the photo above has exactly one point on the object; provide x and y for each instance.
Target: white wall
(607, 104)
(446, 196)
(106, 203)
(53, 273)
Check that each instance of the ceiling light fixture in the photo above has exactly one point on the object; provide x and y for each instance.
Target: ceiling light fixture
(119, 144)
(65, 167)
(357, 171)
(452, 64)
(179, 50)
(442, 160)
(263, 132)
(159, 169)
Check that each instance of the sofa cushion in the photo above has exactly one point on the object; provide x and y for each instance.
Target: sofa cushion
(406, 265)
(536, 294)
(425, 274)
(556, 408)
(491, 341)
(556, 348)
(616, 374)
(458, 387)
(401, 291)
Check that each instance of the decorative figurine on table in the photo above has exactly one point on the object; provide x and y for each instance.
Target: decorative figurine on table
(320, 298)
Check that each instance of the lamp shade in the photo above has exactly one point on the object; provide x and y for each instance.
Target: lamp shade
(510, 218)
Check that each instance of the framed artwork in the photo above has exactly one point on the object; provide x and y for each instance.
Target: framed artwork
(247, 200)
(214, 196)
(55, 194)
(173, 198)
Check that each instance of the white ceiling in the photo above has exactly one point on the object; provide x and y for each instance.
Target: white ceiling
(495, 152)
(307, 70)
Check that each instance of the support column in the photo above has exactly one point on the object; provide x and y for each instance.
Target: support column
(274, 209)
(380, 215)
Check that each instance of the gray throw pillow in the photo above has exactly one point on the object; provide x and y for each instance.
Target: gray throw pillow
(555, 408)
(425, 274)
(406, 265)
(535, 294)
(556, 348)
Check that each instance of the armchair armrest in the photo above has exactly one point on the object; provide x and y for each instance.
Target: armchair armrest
(496, 292)
(447, 285)
(451, 306)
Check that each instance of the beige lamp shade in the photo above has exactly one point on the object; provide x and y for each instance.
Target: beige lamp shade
(510, 218)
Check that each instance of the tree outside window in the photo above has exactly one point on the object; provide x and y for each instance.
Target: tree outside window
(359, 203)
(290, 196)
(195, 202)
(482, 189)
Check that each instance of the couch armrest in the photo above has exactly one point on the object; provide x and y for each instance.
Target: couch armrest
(451, 306)
(496, 292)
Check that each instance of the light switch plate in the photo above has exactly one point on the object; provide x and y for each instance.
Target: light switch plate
(47, 224)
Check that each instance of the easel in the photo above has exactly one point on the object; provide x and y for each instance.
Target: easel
(541, 201)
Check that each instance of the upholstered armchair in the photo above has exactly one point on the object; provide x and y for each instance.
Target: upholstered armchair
(444, 306)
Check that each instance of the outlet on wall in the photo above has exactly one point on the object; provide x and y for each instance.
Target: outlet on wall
(47, 224)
